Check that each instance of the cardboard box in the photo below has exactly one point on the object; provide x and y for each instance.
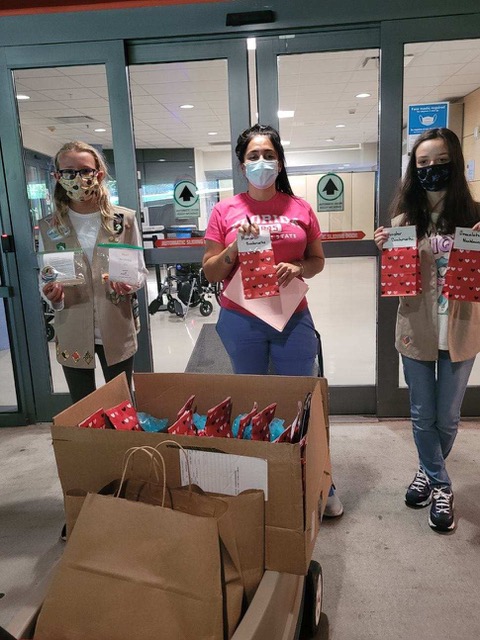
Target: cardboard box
(90, 458)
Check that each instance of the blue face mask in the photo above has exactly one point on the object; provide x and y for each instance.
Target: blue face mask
(434, 177)
(261, 173)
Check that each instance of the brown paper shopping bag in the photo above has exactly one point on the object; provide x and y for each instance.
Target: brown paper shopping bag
(247, 514)
(194, 501)
(134, 570)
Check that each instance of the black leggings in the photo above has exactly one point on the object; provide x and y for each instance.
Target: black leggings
(81, 382)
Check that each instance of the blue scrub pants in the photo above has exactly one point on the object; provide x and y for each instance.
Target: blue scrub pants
(251, 343)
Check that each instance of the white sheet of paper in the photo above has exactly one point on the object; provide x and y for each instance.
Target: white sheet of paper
(401, 237)
(262, 242)
(63, 262)
(224, 472)
(275, 311)
(123, 265)
(466, 238)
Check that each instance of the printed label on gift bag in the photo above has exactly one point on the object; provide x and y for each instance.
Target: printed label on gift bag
(401, 237)
(400, 264)
(257, 265)
(462, 281)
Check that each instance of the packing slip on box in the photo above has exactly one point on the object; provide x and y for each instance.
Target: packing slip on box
(88, 459)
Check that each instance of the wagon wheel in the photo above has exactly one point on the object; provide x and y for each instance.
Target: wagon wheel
(312, 611)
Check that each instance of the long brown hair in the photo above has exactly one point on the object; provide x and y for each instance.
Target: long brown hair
(459, 208)
(60, 196)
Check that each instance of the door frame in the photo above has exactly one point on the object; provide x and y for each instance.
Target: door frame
(15, 321)
(41, 400)
(234, 51)
(392, 400)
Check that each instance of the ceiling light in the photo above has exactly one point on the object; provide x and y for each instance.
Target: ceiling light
(363, 95)
(186, 106)
(329, 139)
(161, 160)
(251, 44)
(286, 114)
(340, 126)
(22, 96)
(285, 143)
(213, 133)
(99, 130)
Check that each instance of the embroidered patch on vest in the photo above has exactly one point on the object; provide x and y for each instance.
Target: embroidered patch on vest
(65, 355)
(76, 356)
(88, 357)
(118, 223)
(406, 340)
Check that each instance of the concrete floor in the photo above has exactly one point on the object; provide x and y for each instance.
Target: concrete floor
(387, 575)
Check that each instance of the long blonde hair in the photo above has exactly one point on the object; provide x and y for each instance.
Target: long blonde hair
(60, 197)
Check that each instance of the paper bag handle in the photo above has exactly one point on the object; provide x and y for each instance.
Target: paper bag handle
(186, 458)
(154, 454)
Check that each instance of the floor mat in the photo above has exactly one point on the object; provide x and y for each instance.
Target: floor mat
(209, 355)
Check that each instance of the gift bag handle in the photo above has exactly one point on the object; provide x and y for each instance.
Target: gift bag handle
(174, 442)
(154, 454)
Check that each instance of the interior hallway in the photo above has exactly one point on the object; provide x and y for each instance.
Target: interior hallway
(387, 575)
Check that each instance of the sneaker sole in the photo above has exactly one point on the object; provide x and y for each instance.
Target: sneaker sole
(438, 529)
(418, 505)
(335, 514)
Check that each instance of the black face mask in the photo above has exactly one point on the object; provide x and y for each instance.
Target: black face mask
(434, 177)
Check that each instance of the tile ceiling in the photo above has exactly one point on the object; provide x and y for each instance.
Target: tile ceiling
(320, 88)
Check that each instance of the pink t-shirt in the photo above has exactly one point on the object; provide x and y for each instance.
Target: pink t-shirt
(291, 221)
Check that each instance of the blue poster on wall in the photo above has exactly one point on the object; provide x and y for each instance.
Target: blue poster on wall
(422, 117)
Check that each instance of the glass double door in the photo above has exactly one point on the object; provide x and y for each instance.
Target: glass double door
(151, 120)
(169, 115)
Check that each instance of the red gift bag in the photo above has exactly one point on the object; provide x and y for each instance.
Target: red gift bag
(400, 272)
(94, 421)
(123, 417)
(462, 280)
(257, 266)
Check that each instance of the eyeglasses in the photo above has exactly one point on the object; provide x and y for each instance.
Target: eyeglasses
(71, 174)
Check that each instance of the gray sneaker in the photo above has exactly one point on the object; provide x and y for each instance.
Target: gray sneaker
(334, 507)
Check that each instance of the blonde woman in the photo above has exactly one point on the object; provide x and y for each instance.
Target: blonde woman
(97, 317)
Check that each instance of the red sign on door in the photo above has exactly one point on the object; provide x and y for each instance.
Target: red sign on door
(342, 235)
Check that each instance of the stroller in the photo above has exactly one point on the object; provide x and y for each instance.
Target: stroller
(185, 286)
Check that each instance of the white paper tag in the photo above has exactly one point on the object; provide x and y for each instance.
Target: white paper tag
(123, 265)
(262, 242)
(224, 472)
(63, 262)
(401, 237)
(466, 238)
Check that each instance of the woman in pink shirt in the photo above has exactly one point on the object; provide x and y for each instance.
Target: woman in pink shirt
(269, 203)
(295, 234)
